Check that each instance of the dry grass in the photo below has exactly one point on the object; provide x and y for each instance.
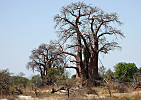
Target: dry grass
(93, 93)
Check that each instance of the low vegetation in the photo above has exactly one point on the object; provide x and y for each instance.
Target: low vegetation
(85, 28)
(58, 85)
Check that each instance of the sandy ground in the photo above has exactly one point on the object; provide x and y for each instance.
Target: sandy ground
(63, 96)
(90, 96)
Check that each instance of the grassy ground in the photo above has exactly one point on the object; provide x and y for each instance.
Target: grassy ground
(99, 93)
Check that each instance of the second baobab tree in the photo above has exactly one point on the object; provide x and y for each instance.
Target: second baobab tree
(45, 57)
(90, 27)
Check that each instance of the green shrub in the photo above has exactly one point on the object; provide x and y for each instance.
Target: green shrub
(5, 82)
(124, 70)
(20, 81)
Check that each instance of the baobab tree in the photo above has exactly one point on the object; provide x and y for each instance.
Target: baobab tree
(90, 26)
(45, 57)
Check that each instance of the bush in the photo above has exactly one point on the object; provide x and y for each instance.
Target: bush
(20, 81)
(55, 74)
(124, 70)
(5, 82)
(35, 79)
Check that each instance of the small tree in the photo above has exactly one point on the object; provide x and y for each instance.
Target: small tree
(5, 82)
(125, 70)
(102, 70)
(54, 74)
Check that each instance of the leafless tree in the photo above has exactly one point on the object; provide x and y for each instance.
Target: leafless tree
(90, 26)
(102, 70)
(45, 57)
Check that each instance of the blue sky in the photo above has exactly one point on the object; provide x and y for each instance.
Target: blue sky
(25, 24)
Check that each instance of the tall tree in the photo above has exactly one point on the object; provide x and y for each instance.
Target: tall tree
(45, 57)
(90, 26)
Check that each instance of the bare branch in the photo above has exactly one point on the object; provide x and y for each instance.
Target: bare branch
(69, 53)
(108, 46)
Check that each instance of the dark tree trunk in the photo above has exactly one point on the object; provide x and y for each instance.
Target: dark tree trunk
(78, 66)
(93, 65)
(79, 63)
(93, 69)
(42, 75)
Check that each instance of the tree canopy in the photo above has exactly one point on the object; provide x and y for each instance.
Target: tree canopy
(45, 57)
(90, 30)
(89, 27)
(125, 69)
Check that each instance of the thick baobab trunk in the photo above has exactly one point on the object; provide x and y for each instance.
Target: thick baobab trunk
(93, 65)
(77, 74)
(47, 67)
(93, 68)
(78, 66)
(41, 73)
(79, 63)
(42, 76)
